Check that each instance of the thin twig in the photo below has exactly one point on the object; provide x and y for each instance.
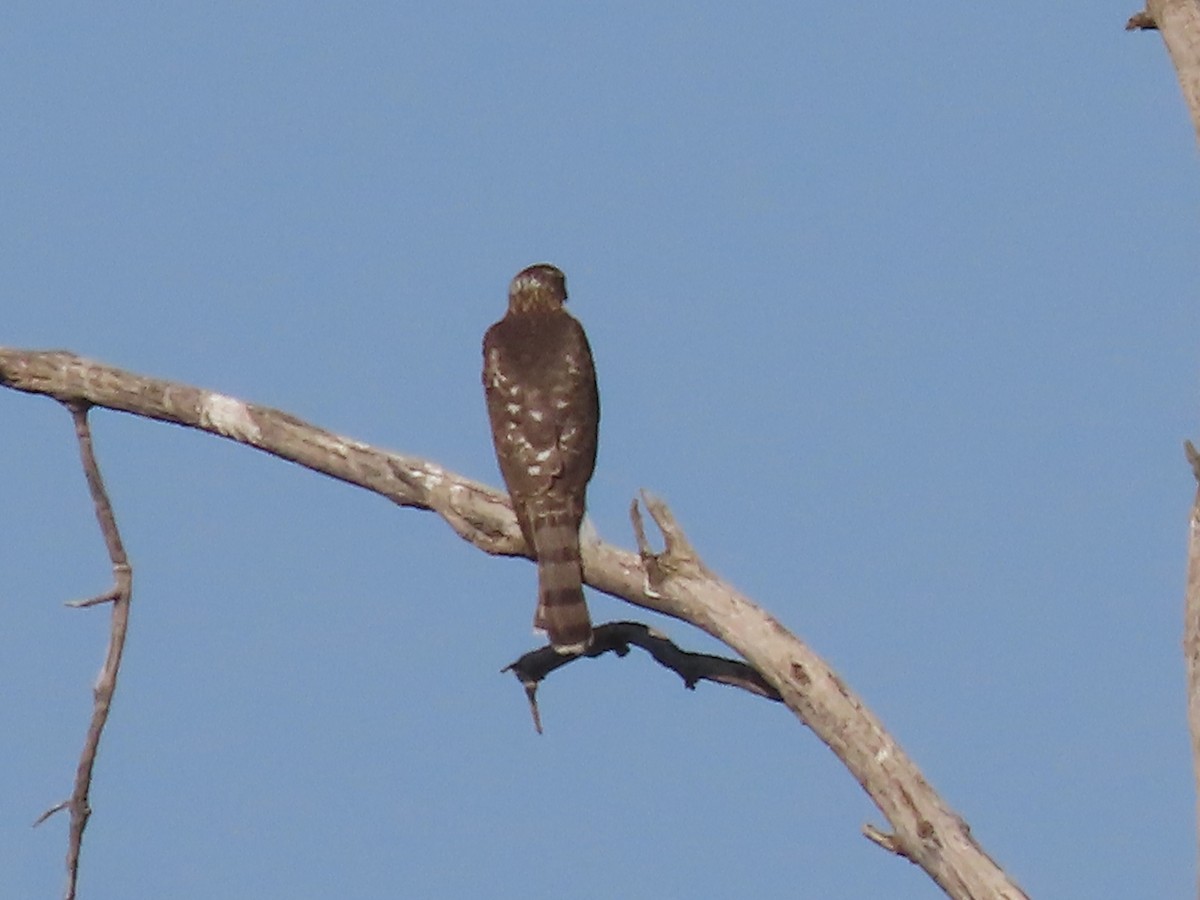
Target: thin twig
(106, 682)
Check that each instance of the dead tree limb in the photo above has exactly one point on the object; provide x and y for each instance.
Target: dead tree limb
(105, 687)
(1178, 22)
(1191, 627)
(674, 582)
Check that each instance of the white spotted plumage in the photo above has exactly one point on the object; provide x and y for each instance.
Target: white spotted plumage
(544, 410)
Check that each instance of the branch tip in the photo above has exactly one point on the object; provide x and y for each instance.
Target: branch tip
(58, 807)
(1141, 21)
(531, 695)
(107, 597)
(885, 840)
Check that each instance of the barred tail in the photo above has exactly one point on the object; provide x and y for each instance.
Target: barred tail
(561, 611)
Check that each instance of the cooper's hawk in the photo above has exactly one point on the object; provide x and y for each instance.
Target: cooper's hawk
(545, 412)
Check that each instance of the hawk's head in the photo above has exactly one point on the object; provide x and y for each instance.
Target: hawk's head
(540, 288)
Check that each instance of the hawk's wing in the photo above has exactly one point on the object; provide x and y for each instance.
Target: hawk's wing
(543, 404)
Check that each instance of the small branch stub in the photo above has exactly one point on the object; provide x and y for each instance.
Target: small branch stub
(1141, 21)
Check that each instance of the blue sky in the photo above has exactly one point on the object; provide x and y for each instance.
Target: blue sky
(895, 306)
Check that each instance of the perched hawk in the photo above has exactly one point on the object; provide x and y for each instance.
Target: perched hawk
(545, 412)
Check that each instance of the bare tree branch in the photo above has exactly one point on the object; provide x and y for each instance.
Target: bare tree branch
(675, 582)
(1178, 21)
(105, 687)
(1191, 624)
(924, 829)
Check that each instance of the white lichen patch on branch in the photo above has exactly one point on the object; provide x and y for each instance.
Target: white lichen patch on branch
(342, 447)
(344, 444)
(429, 475)
(228, 416)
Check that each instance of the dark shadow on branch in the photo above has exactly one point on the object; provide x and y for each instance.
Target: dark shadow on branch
(617, 637)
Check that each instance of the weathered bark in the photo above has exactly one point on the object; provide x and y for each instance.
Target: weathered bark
(1191, 627)
(675, 582)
